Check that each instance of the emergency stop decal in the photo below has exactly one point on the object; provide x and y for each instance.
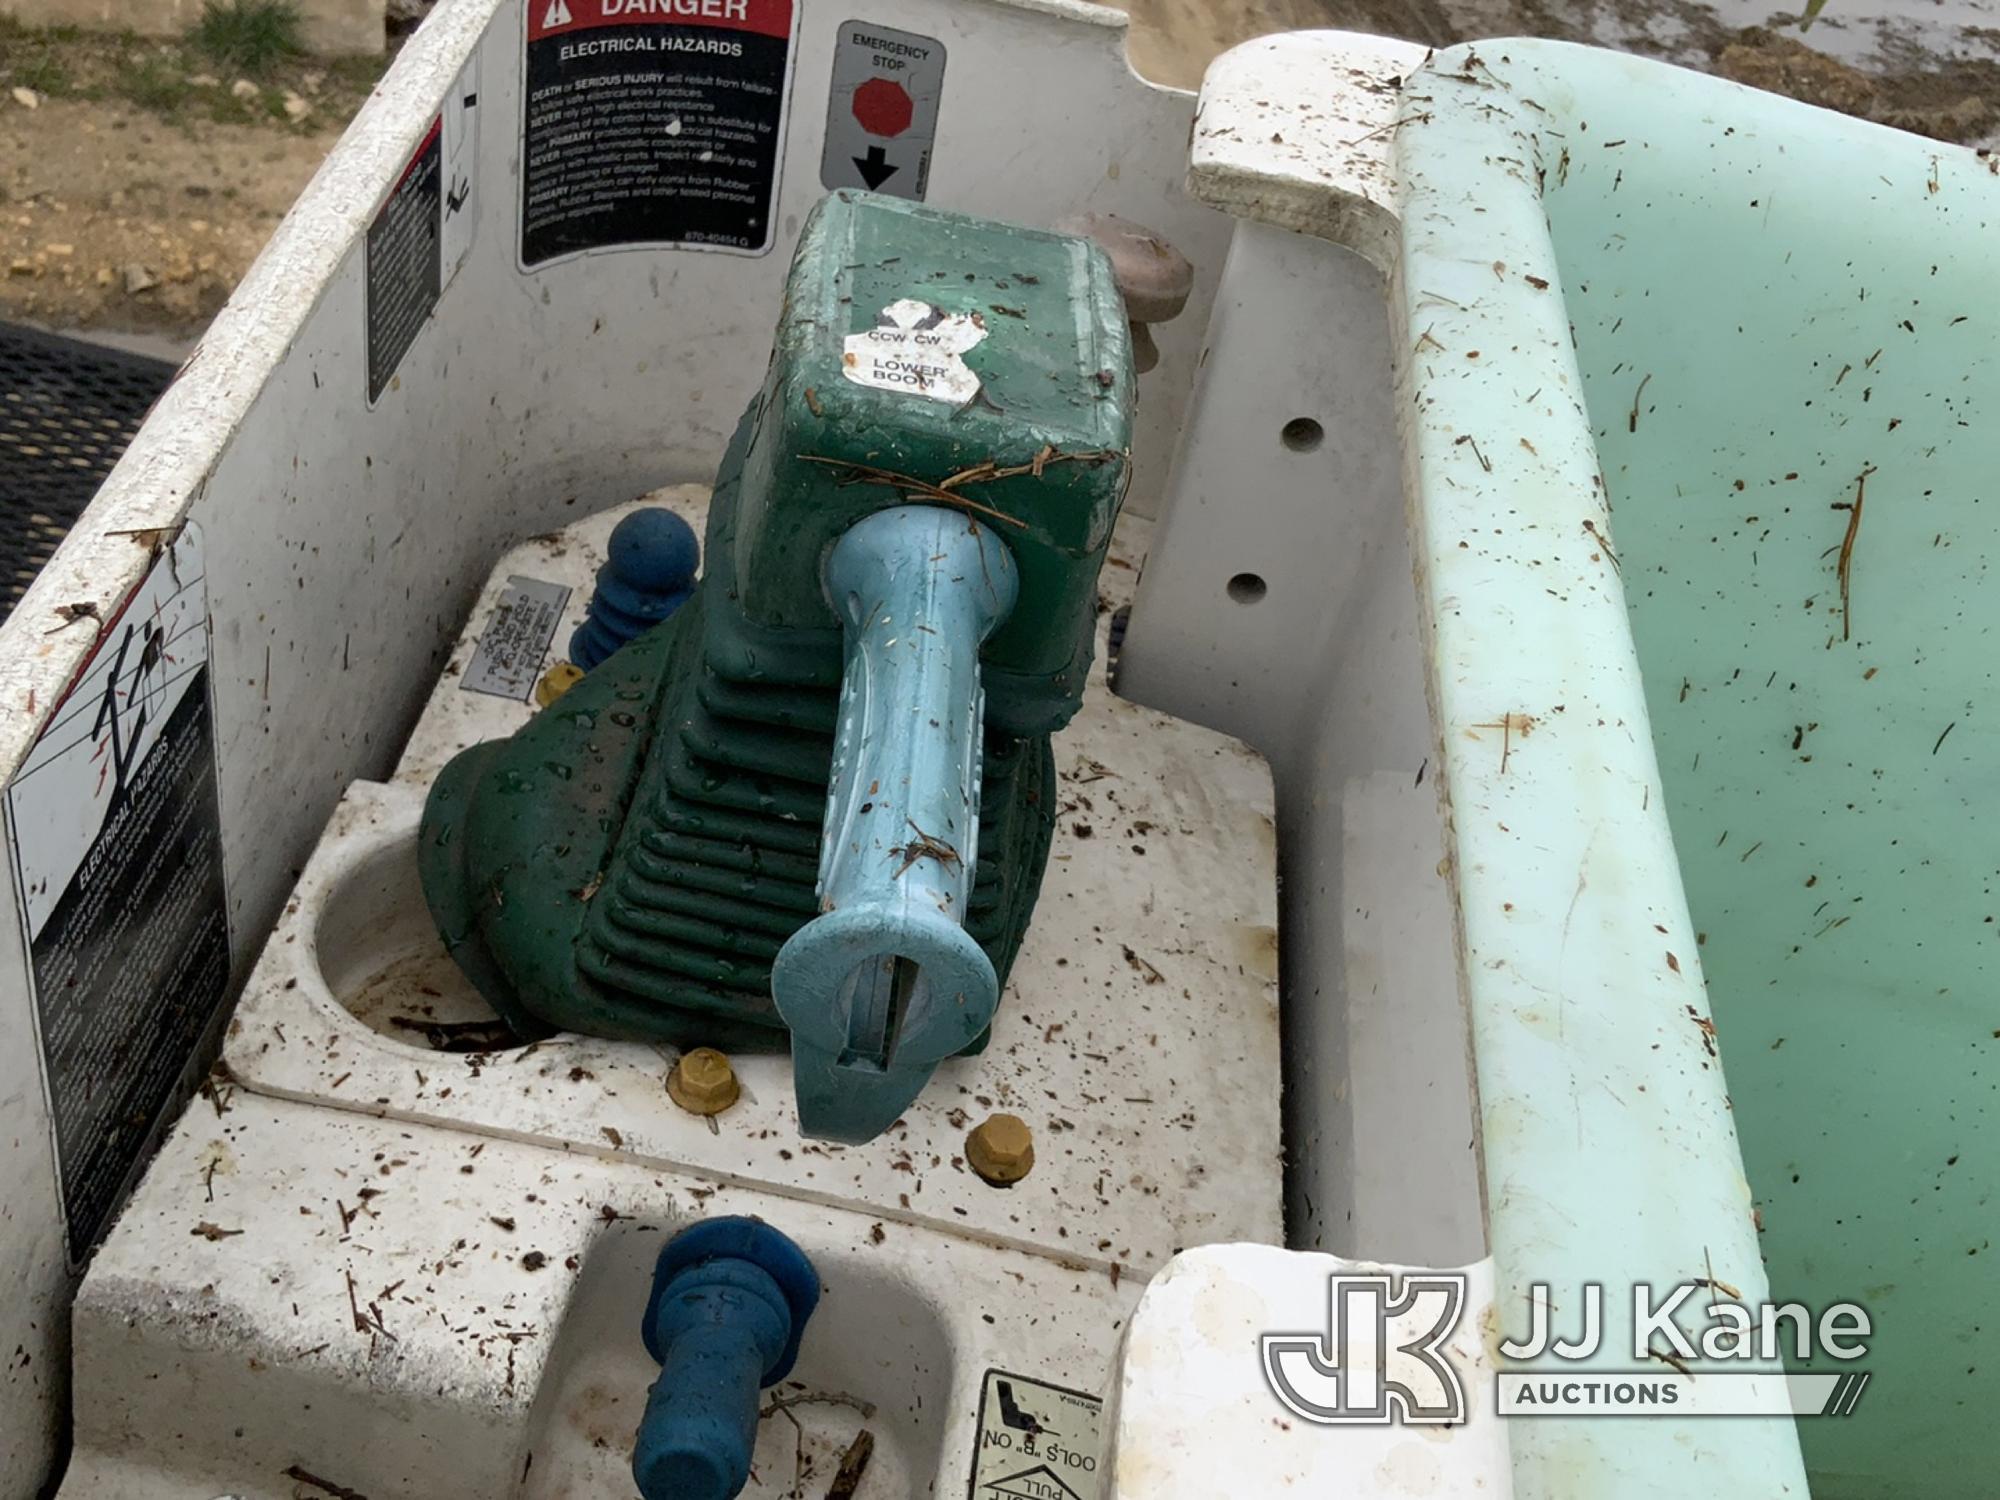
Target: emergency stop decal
(882, 110)
(656, 123)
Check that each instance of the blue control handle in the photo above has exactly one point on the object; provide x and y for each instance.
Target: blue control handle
(648, 573)
(729, 1303)
(886, 982)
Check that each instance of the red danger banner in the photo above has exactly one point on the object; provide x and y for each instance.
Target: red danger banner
(761, 17)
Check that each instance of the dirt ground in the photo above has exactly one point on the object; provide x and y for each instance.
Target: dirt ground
(115, 218)
(138, 180)
(136, 188)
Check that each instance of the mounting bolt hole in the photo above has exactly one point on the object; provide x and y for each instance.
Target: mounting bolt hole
(1246, 588)
(1302, 434)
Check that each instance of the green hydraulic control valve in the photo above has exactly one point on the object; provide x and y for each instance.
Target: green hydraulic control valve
(813, 806)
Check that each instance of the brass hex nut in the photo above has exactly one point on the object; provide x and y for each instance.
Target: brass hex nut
(702, 1082)
(1001, 1149)
(558, 680)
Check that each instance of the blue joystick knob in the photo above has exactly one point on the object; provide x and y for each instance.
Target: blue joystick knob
(729, 1304)
(648, 573)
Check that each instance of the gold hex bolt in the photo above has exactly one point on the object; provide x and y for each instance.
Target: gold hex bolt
(558, 680)
(702, 1082)
(1001, 1149)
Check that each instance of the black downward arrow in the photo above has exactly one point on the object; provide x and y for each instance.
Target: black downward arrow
(875, 168)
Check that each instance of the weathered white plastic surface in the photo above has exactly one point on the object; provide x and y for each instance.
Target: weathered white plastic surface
(1277, 605)
(1138, 1035)
(359, 1300)
(1192, 1418)
(1297, 131)
(1605, 1150)
(346, 542)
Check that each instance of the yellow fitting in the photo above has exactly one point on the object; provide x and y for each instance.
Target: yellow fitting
(1001, 1149)
(558, 680)
(702, 1082)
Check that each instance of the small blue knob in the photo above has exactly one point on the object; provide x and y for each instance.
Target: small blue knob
(654, 549)
(649, 572)
(729, 1304)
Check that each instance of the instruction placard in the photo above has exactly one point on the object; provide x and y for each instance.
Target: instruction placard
(1037, 1441)
(460, 170)
(882, 110)
(405, 265)
(653, 123)
(113, 823)
(916, 349)
(509, 656)
(423, 231)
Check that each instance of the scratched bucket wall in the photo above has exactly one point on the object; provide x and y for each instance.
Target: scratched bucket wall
(1752, 344)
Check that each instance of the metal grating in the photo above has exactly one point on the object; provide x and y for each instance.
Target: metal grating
(67, 410)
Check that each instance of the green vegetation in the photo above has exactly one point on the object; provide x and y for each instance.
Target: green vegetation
(202, 76)
(36, 59)
(250, 37)
(157, 82)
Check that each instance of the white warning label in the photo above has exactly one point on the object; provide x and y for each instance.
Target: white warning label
(1036, 1442)
(116, 831)
(516, 639)
(917, 349)
(653, 122)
